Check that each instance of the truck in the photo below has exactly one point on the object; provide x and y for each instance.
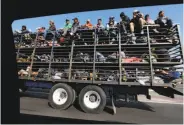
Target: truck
(100, 64)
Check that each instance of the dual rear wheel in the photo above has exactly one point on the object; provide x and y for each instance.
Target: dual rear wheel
(92, 99)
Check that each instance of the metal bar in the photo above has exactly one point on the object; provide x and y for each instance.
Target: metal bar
(94, 58)
(32, 56)
(51, 56)
(150, 55)
(120, 65)
(181, 45)
(71, 58)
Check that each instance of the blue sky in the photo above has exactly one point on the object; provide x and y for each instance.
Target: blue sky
(175, 12)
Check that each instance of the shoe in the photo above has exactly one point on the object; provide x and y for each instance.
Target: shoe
(71, 34)
(142, 31)
(155, 30)
(132, 34)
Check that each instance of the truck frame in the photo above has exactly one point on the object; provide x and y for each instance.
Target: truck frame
(92, 78)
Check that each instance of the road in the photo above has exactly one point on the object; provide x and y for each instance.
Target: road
(169, 111)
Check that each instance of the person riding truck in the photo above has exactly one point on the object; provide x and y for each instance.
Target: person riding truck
(88, 25)
(67, 27)
(170, 75)
(163, 21)
(137, 22)
(124, 23)
(25, 33)
(52, 26)
(75, 26)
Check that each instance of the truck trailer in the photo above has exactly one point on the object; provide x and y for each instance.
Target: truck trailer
(100, 64)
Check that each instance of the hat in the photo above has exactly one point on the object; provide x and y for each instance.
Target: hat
(122, 14)
(135, 11)
(111, 17)
(51, 21)
(88, 20)
(75, 18)
(99, 19)
(67, 20)
(23, 26)
(38, 28)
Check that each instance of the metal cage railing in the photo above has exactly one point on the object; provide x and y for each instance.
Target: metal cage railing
(100, 56)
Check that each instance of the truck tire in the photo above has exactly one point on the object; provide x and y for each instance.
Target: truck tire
(92, 99)
(61, 96)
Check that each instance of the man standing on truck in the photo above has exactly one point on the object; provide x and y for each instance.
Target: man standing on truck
(26, 34)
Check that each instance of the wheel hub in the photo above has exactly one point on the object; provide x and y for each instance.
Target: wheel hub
(93, 98)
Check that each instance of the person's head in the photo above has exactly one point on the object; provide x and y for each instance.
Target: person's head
(161, 14)
(99, 21)
(122, 15)
(75, 20)
(111, 18)
(135, 12)
(147, 17)
(88, 21)
(51, 22)
(43, 28)
(67, 21)
(23, 27)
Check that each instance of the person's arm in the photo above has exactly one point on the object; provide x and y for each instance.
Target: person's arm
(107, 26)
(90, 26)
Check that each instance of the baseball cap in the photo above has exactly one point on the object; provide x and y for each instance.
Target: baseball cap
(88, 20)
(122, 14)
(135, 11)
(67, 20)
(111, 17)
(75, 18)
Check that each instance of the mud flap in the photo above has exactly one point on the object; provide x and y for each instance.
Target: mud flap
(113, 105)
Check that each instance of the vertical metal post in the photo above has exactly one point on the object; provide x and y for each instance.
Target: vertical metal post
(32, 56)
(51, 57)
(181, 43)
(71, 60)
(181, 46)
(19, 47)
(150, 55)
(94, 58)
(120, 59)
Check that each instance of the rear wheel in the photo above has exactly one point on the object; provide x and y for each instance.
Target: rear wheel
(92, 99)
(61, 96)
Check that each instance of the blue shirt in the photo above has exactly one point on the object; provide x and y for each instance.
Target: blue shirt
(175, 74)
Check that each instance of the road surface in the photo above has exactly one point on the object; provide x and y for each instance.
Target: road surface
(162, 111)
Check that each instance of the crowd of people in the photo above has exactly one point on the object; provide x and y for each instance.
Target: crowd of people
(134, 25)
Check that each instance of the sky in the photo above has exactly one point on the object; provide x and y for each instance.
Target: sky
(175, 12)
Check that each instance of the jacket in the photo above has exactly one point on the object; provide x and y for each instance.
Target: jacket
(68, 26)
(125, 20)
(52, 28)
(24, 31)
(100, 26)
(161, 20)
(89, 25)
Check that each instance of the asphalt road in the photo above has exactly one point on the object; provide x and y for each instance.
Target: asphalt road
(140, 112)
